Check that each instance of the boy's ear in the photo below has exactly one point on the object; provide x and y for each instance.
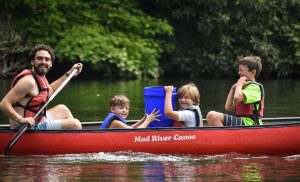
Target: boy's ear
(112, 108)
(254, 72)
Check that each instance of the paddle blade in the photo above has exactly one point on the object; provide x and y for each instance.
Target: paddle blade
(15, 138)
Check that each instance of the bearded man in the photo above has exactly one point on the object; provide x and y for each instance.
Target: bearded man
(30, 90)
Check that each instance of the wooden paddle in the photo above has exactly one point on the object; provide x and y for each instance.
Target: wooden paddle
(25, 126)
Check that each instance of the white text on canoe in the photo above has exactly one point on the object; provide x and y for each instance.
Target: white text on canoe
(158, 138)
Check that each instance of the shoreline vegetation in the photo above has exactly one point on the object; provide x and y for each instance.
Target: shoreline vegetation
(143, 39)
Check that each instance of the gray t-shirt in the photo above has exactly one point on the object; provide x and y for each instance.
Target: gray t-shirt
(188, 117)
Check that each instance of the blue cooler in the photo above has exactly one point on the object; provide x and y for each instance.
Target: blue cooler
(154, 97)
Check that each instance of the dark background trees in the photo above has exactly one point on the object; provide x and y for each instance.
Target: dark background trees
(152, 38)
(211, 35)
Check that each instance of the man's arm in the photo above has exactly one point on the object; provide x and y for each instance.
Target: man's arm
(54, 85)
(23, 87)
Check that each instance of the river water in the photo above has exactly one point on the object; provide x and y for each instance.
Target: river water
(126, 166)
(88, 101)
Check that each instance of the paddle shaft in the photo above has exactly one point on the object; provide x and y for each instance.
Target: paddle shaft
(25, 126)
(56, 92)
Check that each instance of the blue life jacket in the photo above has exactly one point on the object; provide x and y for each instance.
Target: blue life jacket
(109, 118)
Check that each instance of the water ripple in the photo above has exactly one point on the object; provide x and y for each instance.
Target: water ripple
(118, 157)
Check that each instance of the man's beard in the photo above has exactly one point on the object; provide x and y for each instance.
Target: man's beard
(39, 72)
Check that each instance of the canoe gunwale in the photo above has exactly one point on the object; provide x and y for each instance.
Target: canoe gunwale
(5, 128)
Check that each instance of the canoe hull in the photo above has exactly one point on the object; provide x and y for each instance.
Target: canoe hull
(271, 140)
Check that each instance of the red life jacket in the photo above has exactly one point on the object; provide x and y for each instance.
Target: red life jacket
(178, 124)
(254, 110)
(35, 103)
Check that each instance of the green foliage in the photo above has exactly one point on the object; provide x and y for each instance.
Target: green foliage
(119, 39)
(212, 35)
(113, 35)
(97, 46)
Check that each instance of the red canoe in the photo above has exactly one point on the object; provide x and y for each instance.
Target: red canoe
(269, 139)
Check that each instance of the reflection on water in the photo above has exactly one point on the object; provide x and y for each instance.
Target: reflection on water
(128, 166)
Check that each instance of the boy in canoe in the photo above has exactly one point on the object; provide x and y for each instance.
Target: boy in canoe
(119, 106)
(246, 96)
(189, 114)
(30, 90)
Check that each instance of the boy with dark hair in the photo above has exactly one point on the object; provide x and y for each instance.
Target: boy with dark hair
(246, 97)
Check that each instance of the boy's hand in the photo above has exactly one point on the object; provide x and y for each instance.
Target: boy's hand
(242, 80)
(154, 115)
(169, 89)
